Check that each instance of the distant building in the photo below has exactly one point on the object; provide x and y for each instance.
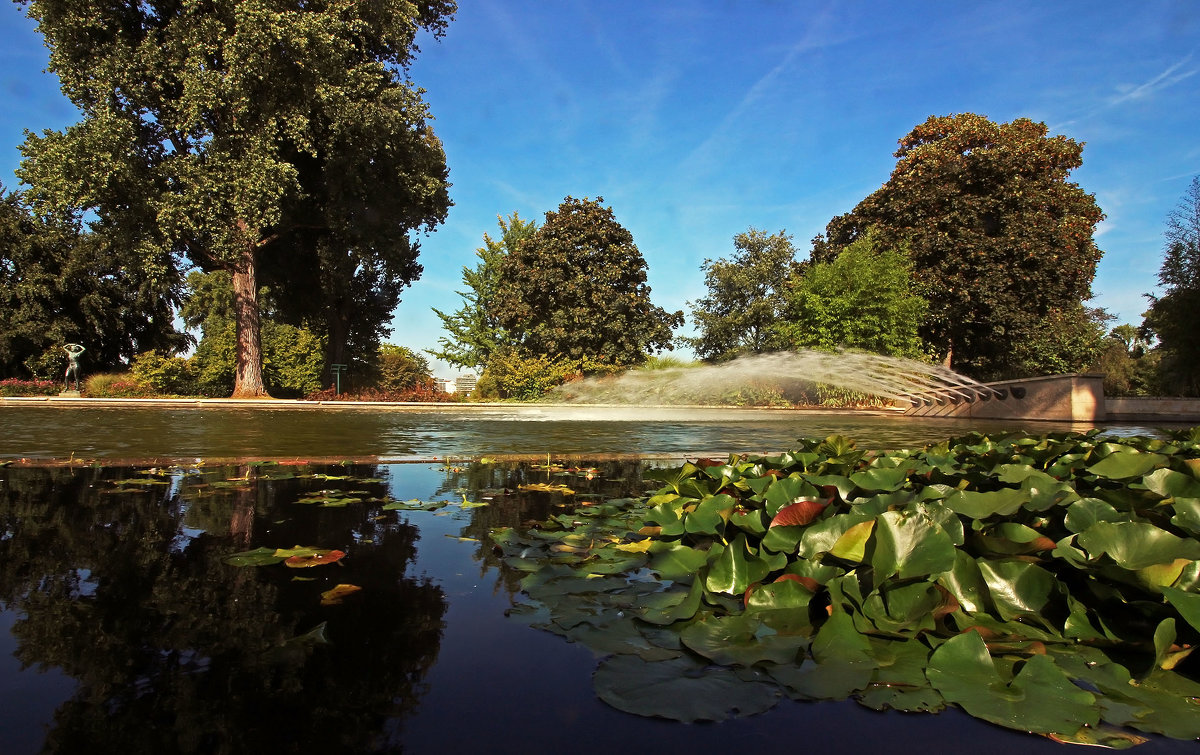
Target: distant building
(444, 385)
(464, 384)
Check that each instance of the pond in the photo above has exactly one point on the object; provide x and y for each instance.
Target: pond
(41, 431)
(124, 625)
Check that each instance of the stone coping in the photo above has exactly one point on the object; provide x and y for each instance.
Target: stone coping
(463, 407)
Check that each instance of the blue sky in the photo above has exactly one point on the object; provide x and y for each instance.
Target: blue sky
(696, 120)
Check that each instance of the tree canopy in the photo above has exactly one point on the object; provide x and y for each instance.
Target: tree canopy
(745, 296)
(576, 288)
(474, 330)
(59, 284)
(997, 233)
(239, 135)
(1172, 315)
(862, 299)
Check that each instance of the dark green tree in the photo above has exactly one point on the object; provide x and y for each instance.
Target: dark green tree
(245, 134)
(862, 299)
(577, 289)
(997, 233)
(475, 332)
(61, 285)
(745, 296)
(1172, 316)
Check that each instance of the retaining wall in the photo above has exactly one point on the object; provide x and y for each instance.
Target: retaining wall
(1058, 398)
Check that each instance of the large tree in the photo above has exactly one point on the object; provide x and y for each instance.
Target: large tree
(61, 285)
(235, 134)
(1172, 316)
(997, 233)
(745, 296)
(474, 332)
(577, 289)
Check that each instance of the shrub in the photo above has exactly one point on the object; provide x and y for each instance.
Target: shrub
(427, 392)
(18, 387)
(169, 375)
(399, 368)
(115, 385)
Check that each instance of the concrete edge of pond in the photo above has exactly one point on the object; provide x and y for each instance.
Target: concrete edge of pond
(647, 411)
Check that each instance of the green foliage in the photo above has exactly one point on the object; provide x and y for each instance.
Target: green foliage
(249, 137)
(1047, 584)
(576, 289)
(665, 362)
(399, 368)
(514, 374)
(997, 233)
(166, 375)
(60, 285)
(1128, 365)
(1171, 317)
(115, 385)
(745, 296)
(861, 299)
(1067, 340)
(292, 356)
(475, 332)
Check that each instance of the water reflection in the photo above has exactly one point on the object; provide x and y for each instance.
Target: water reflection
(135, 635)
(117, 579)
(45, 431)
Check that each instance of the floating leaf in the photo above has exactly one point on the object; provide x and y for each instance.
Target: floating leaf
(800, 513)
(335, 596)
(256, 557)
(1040, 698)
(317, 558)
(680, 689)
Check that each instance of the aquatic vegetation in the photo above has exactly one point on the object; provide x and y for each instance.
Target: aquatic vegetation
(1046, 584)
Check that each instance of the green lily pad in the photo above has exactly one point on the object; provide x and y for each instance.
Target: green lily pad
(680, 689)
(1039, 698)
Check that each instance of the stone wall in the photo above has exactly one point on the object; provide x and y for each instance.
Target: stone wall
(1143, 409)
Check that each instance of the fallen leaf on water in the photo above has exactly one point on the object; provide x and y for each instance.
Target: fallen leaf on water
(320, 558)
(334, 597)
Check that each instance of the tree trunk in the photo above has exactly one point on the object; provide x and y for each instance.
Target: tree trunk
(337, 322)
(247, 380)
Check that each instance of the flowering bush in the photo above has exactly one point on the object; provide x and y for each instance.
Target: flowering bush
(426, 392)
(18, 387)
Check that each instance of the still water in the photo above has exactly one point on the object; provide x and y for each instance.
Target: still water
(127, 630)
(51, 432)
(123, 627)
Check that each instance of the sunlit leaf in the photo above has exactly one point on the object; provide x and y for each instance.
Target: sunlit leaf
(318, 558)
(1040, 698)
(335, 596)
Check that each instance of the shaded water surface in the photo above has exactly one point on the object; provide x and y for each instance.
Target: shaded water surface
(47, 431)
(123, 628)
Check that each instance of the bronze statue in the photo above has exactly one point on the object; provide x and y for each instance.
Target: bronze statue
(73, 351)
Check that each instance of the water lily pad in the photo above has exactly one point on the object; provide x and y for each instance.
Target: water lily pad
(1039, 698)
(680, 689)
(256, 557)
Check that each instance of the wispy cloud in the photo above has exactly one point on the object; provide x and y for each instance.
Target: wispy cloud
(1173, 75)
(820, 34)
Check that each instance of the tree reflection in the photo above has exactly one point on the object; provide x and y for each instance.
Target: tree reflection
(120, 582)
(510, 506)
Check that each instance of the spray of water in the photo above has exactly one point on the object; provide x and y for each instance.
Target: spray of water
(788, 375)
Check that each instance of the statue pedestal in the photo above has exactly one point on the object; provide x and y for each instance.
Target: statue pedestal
(70, 394)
